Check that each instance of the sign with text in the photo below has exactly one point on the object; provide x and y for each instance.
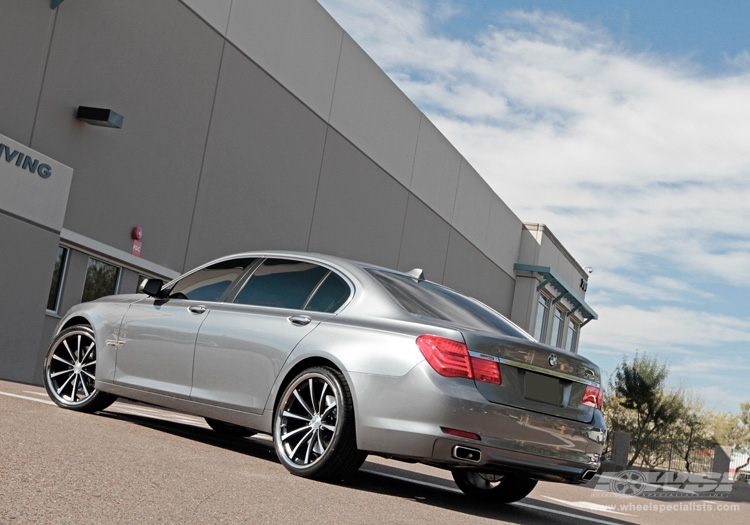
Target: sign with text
(33, 186)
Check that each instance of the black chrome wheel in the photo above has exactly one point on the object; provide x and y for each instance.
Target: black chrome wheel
(314, 426)
(501, 488)
(70, 369)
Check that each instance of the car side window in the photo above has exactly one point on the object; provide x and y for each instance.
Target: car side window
(281, 283)
(210, 283)
(330, 295)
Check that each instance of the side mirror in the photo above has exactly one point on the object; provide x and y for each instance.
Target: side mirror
(151, 287)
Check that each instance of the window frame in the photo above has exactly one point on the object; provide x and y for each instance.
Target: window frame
(320, 284)
(561, 327)
(228, 292)
(576, 331)
(60, 280)
(545, 317)
(118, 277)
(237, 287)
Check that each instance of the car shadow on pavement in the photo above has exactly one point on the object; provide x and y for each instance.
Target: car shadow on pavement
(384, 479)
(256, 447)
(442, 493)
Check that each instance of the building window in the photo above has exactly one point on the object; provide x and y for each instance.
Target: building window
(101, 279)
(571, 338)
(542, 314)
(557, 325)
(53, 301)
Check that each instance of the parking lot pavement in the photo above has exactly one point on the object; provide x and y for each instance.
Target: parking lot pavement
(135, 463)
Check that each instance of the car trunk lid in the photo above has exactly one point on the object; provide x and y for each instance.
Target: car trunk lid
(536, 377)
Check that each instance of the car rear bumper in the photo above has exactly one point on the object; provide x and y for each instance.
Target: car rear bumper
(408, 416)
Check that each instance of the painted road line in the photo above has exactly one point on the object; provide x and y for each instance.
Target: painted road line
(27, 398)
(44, 394)
(588, 505)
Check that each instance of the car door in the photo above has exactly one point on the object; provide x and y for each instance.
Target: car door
(157, 336)
(242, 345)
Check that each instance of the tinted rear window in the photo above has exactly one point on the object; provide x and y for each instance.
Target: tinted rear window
(426, 299)
(330, 295)
(281, 283)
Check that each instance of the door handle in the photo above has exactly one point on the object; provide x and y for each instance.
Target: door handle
(299, 320)
(197, 309)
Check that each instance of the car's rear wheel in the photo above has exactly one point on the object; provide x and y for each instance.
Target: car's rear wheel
(70, 369)
(313, 427)
(501, 488)
(228, 429)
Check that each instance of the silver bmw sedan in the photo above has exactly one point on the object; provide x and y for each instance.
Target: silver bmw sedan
(338, 359)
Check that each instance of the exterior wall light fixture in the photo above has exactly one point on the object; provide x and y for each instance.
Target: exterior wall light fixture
(99, 117)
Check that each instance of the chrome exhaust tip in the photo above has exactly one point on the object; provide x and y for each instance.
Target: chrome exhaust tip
(466, 454)
(588, 474)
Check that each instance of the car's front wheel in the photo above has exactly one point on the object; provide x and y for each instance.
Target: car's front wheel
(313, 427)
(70, 369)
(501, 488)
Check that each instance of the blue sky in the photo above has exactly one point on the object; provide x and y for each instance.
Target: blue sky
(625, 127)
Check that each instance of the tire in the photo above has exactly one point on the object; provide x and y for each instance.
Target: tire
(228, 429)
(493, 487)
(70, 369)
(313, 429)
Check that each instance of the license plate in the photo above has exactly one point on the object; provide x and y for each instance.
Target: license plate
(546, 389)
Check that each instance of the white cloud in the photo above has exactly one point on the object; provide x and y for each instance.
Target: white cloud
(740, 60)
(630, 159)
(552, 113)
(612, 287)
(626, 328)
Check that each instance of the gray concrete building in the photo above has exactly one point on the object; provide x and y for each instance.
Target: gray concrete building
(246, 124)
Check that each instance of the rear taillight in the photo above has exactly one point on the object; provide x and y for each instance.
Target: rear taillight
(593, 396)
(451, 359)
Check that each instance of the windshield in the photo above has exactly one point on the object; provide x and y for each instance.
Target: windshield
(427, 299)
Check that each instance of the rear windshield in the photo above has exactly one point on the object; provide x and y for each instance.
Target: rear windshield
(426, 299)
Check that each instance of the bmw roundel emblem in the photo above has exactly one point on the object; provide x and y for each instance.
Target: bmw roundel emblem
(552, 360)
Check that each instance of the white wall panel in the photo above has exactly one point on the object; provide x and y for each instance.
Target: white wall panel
(425, 241)
(374, 114)
(472, 213)
(261, 168)
(214, 12)
(503, 235)
(27, 261)
(156, 64)
(25, 29)
(296, 42)
(436, 169)
(463, 266)
(495, 287)
(360, 209)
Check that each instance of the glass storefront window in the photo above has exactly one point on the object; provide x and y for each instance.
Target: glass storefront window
(542, 314)
(557, 325)
(101, 280)
(53, 301)
(572, 337)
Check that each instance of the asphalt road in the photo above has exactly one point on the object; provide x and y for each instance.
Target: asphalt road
(138, 464)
